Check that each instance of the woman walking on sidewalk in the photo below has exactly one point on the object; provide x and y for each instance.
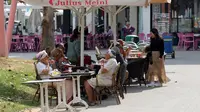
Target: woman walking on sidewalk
(156, 73)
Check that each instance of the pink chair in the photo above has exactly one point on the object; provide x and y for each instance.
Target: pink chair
(142, 37)
(88, 41)
(180, 42)
(59, 39)
(188, 39)
(30, 43)
(148, 37)
(13, 47)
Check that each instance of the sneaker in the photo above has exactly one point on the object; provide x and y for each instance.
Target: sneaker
(158, 84)
(152, 84)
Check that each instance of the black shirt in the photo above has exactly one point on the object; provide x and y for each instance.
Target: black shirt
(157, 44)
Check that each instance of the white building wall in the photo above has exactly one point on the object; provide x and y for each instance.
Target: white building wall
(121, 18)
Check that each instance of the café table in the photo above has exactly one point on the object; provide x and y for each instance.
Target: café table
(44, 94)
(76, 84)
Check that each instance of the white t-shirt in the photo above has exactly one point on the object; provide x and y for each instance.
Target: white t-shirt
(40, 67)
(110, 66)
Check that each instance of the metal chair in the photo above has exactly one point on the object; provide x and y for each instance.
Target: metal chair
(111, 89)
(52, 91)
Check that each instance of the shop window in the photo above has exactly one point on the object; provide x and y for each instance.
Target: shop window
(197, 16)
(161, 17)
(182, 15)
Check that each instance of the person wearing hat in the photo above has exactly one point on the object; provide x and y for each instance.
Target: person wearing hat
(104, 75)
(43, 65)
(44, 70)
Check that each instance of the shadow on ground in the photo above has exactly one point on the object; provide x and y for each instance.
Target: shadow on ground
(111, 101)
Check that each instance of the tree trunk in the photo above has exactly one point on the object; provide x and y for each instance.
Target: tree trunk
(48, 29)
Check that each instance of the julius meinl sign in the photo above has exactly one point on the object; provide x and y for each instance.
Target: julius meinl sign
(78, 2)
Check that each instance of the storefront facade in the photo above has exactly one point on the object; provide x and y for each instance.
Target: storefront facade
(179, 16)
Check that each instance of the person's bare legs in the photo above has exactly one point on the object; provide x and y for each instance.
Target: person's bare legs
(89, 91)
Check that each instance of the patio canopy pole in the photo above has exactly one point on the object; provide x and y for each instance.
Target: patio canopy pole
(114, 21)
(11, 22)
(82, 17)
(3, 39)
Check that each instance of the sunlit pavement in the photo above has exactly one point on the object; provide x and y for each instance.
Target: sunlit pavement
(31, 55)
(181, 94)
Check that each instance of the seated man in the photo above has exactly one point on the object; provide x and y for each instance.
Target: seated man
(44, 70)
(104, 76)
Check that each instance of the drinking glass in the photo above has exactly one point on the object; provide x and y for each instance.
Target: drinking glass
(70, 69)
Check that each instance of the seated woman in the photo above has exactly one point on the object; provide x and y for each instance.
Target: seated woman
(58, 56)
(44, 70)
(61, 62)
(43, 66)
(104, 76)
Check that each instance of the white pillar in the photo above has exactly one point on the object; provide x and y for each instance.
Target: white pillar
(146, 20)
(133, 17)
(93, 21)
(89, 22)
(74, 24)
(105, 21)
(110, 16)
(55, 19)
(140, 27)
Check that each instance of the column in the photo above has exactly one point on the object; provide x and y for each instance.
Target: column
(110, 17)
(93, 21)
(133, 18)
(3, 39)
(55, 19)
(74, 20)
(105, 21)
(146, 20)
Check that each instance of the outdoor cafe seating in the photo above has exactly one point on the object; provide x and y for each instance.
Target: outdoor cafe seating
(31, 43)
(135, 59)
